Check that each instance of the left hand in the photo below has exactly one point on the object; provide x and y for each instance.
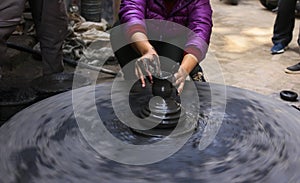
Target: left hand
(188, 63)
(180, 77)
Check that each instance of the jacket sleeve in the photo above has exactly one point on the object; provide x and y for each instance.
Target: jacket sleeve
(200, 24)
(132, 13)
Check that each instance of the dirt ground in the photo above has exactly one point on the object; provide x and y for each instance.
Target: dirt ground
(240, 50)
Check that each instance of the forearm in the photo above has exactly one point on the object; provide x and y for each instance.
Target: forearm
(141, 43)
(188, 63)
(143, 46)
(200, 23)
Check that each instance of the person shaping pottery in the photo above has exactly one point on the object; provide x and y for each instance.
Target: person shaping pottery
(194, 15)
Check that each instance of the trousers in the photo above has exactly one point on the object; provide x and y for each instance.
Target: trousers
(284, 22)
(51, 24)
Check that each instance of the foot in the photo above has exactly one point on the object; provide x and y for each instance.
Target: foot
(278, 48)
(294, 69)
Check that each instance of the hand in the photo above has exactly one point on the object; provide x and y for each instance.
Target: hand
(149, 65)
(149, 62)
(188, 63)
(180, 77)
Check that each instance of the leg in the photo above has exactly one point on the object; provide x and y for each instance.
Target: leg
(51, 23)
(10, 12)
(294, 69)
(284, 23)
(5, 32)
(10, 16)
(298, 40)
(116, 6)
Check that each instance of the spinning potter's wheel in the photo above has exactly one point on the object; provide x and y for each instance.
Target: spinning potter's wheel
(163, 109)
(258, 141)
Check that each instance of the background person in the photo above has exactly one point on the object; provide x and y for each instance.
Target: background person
(283, 26)
(283, 31)
(51, 23)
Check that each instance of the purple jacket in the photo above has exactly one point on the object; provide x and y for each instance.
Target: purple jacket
(196, 15)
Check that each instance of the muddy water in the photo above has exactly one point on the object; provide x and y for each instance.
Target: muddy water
(258, 141)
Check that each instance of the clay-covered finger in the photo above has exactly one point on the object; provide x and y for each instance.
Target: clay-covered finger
(140, 75)
(180, 88)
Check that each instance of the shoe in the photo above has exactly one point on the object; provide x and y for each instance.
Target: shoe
(294, 69)
(277, 48)
(275, 10)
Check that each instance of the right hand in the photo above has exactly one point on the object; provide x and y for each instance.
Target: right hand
(148, 64)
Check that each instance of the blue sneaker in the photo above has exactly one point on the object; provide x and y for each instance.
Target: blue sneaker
(277, 48)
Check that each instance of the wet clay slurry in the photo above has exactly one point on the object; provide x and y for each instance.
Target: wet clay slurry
(258, 141)
(164, 108)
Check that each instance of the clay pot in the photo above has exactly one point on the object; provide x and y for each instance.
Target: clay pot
(162, 85)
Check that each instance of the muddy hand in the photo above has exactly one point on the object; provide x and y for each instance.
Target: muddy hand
(180, 77)
(148, 65)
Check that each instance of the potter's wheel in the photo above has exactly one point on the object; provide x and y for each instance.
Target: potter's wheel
(14, 96)
(257, 142)
(57, 83)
